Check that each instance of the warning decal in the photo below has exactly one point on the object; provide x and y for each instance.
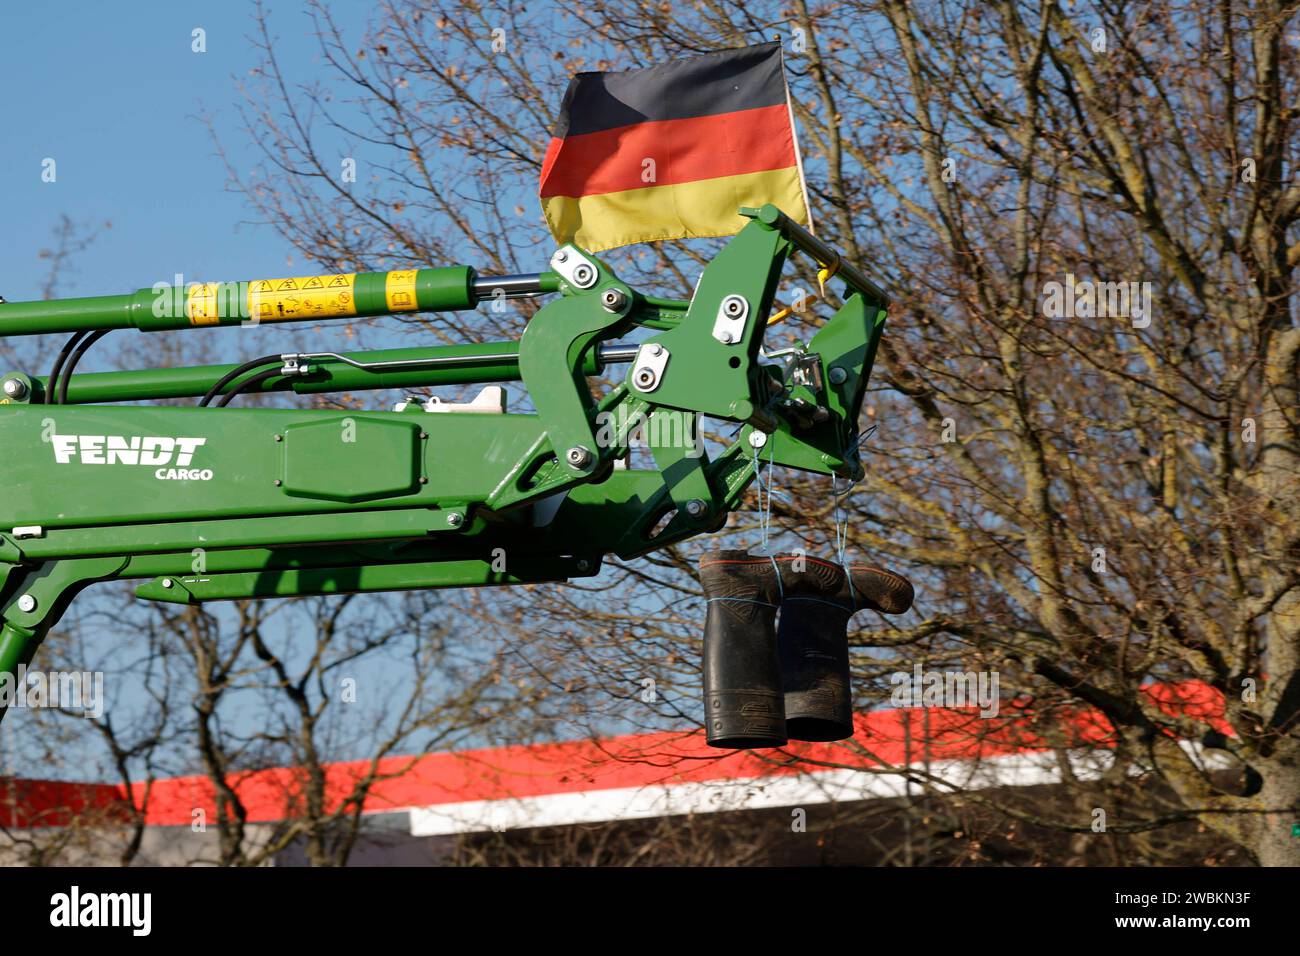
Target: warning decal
(302, 297)
(399, 290)
(201, 304)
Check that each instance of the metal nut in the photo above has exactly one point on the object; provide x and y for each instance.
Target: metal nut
(613, 300)
(644, 377)
(455, 518)
(695, 507)
(733, 305)
(15, 387)
(578, 456)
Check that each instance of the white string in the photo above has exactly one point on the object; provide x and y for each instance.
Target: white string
(771, 466)
(842, 542)
(764, 504)
(841, 530)
(842, 520)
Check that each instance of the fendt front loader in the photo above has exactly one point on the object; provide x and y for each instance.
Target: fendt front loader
(214, 502)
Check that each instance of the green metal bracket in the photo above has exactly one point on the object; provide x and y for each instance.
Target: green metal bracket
(712, 355)
(844, 351)
(35, 602)
(558, 338)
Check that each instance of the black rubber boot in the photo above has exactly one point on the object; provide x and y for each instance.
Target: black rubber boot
(814, 649)
(742, 684)
(743, 692)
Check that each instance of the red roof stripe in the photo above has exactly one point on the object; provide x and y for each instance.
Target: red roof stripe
(635, 760)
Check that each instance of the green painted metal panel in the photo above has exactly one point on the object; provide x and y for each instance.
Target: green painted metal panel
(92, 465)
(367, 458)
(352, 579)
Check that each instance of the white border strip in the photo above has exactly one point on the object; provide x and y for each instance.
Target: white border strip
(817, 787)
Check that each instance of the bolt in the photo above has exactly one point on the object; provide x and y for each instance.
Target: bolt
(726, 337)
(733, 305)
(584, 564)
(757, 438)
(15, 387)
(278, 482)
(644, 378)
(166, 582)
(583, 275)
(655, 349)
(455, 518)
(27, 604)
(578, 456)
(279, 438)
(613, 300)
(838, 375)
(424, 480)
(695, 507)
(562, 256)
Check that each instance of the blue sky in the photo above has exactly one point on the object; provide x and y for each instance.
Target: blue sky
(113, 93)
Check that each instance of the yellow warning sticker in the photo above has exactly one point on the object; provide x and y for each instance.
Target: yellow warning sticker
(302, 297)
(399, 289)
(201, 304)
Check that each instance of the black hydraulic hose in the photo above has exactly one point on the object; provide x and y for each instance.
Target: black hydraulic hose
(246, 384)
(75, 358)
(230, 376)
(52, 383)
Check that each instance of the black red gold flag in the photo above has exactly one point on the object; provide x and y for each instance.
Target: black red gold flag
(673, 151)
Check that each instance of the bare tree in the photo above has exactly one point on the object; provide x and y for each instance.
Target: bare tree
(1093, 498)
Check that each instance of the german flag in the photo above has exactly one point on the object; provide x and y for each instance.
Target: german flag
(672, 151)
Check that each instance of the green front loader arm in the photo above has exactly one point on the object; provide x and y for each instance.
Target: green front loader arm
(217, 503)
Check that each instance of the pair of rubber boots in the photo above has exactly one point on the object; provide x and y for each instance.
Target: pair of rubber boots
(764, 686)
